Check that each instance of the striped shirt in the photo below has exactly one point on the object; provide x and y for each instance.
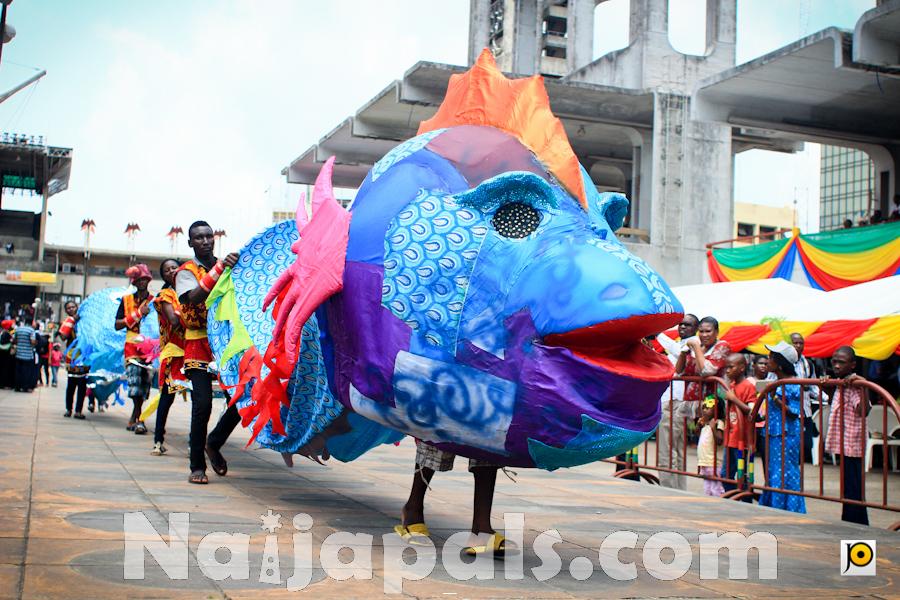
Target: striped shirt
(24, 349)
(844, 414)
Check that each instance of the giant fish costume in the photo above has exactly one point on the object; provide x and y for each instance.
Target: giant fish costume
(474, 296)
(98, 343)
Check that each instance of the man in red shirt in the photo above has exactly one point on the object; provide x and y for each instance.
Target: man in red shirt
(847, 432)
(741, 396)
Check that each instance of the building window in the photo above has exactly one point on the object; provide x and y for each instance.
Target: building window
(847, 186)
(745, 229)
(766, 233)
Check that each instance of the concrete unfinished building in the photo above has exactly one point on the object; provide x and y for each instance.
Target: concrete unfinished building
(631, 116)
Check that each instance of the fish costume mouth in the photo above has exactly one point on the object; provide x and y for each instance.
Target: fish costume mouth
(474, 296)
(616, 346)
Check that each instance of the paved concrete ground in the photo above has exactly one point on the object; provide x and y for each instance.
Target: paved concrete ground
(66, 484)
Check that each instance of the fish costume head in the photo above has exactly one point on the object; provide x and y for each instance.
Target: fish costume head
(475, 295)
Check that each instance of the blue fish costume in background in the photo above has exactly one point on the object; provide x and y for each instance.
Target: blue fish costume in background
(99, 345)
(474, 297)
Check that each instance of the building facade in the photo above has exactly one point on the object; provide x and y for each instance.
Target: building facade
(846, 188)
(761, 222)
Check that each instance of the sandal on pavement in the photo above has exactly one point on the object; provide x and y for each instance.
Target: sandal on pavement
(217, 461)
(496, 545)
(416, 534)
(140, 428)
(67, 414)
(198, 477)
(79, 416)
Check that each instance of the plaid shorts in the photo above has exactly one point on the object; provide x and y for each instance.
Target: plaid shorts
(138, 381)
(428, 456)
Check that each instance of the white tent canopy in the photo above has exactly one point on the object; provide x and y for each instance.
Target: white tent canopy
(751, 301)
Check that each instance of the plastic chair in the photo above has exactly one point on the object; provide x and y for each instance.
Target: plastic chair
(823, 435)
(877, 437)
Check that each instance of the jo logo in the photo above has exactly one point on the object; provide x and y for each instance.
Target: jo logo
(857, 557)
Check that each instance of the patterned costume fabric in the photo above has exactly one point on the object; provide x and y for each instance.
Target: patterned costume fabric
(171, 341)
(133, 336)
(197, 354)
(312, 406)
(484, 304)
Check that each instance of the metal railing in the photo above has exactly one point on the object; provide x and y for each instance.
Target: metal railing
(758, 238)
(744, 486)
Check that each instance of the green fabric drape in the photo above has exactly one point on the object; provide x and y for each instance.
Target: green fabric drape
(749, 256)
(846, 241)
(228, 311)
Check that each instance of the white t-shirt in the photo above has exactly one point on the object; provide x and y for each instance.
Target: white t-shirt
(185, 282)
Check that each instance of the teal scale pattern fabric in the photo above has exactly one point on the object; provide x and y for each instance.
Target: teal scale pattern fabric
(313, 407)
(595, 441)
(430, 251)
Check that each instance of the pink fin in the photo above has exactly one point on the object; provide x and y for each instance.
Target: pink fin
(301, 217)
(318, 270)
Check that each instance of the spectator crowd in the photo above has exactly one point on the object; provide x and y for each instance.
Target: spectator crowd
(755, 415)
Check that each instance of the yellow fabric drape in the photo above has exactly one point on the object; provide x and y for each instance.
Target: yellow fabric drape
(880, 340)
(853, 266)
(804, 328)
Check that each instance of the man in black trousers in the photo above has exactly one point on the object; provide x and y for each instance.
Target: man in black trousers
(193, 283)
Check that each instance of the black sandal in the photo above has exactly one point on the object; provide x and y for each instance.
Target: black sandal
(217, 461)
(198, 477)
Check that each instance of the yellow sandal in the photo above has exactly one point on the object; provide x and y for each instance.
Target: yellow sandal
(415, 534)
(496, 545)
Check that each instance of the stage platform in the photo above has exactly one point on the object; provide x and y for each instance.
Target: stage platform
(66, 485)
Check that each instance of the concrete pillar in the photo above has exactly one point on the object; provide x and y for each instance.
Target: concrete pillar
(649, 18)
(479, 27)
(45, 195)
(580, 44)
(521, 37)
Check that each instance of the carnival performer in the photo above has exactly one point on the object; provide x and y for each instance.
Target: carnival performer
(133, 308)
(783, 452)
(193, 282)
(76, 375)
(171, 342)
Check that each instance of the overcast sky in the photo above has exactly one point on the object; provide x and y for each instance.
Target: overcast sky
(187, 109)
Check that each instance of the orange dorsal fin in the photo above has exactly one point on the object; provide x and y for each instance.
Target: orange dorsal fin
(520, 107)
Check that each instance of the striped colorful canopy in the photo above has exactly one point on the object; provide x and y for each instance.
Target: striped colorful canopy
(830, 260)
(864, 316)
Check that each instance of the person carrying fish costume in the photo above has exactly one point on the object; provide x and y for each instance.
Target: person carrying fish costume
(193, 282)
(76, 375)
(132, 309)
(171, 342)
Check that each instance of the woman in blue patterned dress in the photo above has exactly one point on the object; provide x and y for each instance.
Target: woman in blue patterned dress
(783, 444)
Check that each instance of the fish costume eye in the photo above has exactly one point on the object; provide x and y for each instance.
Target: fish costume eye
(516, 220)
